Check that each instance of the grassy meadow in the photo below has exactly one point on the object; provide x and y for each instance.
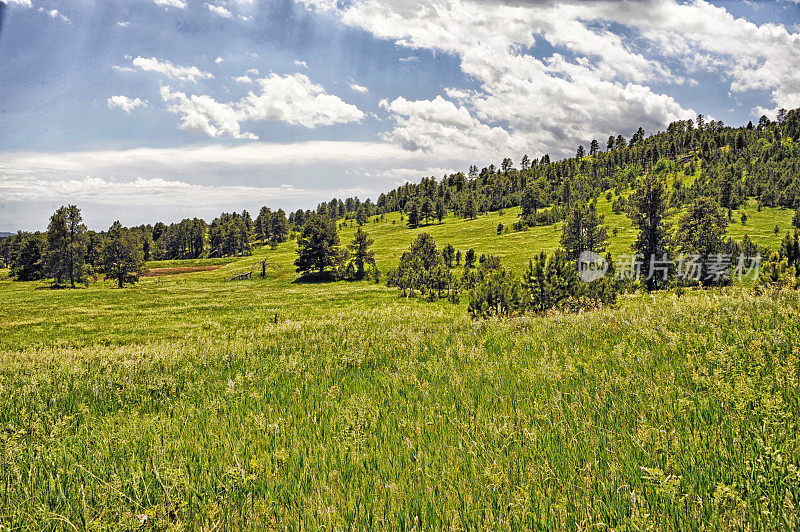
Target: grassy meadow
(183, 403)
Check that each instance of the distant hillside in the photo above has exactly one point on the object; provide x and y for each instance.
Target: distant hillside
(3, 234)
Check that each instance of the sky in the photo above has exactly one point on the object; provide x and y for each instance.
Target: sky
(159, 110)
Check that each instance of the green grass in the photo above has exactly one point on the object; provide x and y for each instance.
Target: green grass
(180, 399)
(190, 262)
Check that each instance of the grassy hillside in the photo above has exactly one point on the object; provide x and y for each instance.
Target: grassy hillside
(179, 403)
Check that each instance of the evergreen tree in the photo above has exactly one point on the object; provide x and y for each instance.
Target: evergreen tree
(584, 231)
(413, 215)
(65, 251)
(317, 246)
(700, 231)
(361, 254)
(441, 211)
(426, 211)
(470, 209)
(123, 258)
(469, 259)
(279, 226)
(648, 207)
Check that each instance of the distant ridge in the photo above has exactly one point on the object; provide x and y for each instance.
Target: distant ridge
(4, 234)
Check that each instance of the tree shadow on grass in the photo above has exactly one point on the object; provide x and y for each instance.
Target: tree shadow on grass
(315, 278)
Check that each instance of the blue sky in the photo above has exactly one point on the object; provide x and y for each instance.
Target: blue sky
(146, 110)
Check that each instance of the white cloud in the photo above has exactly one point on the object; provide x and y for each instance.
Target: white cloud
(205, 115)
(409, 59)
(123, 23)
(23, 3)
(292, 99)
(253, 71)
(595, 82)
(180, 4)
(130, 185)
(359, 88)
(54, 13)
(190, 73)
(126, 104)
(219, 60)
(300, 63)
(141, 191)
(219, 10)
(439, 126)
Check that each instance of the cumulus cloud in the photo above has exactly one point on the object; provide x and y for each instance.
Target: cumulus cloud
(596, 81)
(300, 63)
(23, 3)
(126, 104)
(439, 126)
(166, 68)
(205, 115)
(180, 4)
(219, 10)
(359, 88)
(292, 99)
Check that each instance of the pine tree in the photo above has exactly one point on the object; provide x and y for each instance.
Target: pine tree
(361, 254)
(317, 245)
(65, 251)
(413, 215)
(584, 231)
(441, 211)
(123, 258)
(648, 206)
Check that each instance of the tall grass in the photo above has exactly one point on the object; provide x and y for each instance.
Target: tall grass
(665, 413)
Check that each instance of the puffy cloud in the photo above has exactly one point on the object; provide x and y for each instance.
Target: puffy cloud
(180, 4)
(359, 88)
(190, 73)
(126, 104)
(123, 23)
(300, 63)
(219, 10)
(597, 78)
(23, 3)
(439, 126)
(292, 99)
(205, 115)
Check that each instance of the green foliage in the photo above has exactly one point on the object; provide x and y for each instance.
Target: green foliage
(777, 274)
(584, 231)
(700, 231)
(65, 249)
(648, 207)
(421, 268)
(317, 247)
(362, 255)
(123, 258)
(549, 283)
